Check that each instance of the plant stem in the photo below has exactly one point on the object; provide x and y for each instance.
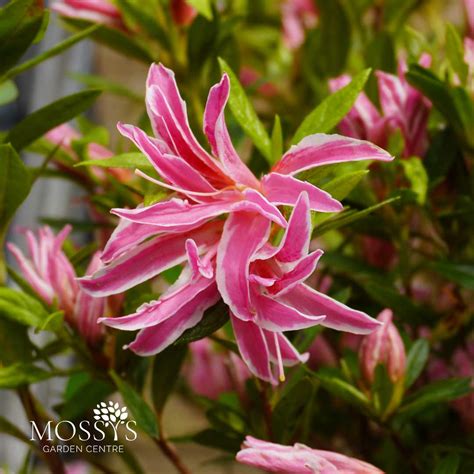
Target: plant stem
(51, 458)
(169, 450)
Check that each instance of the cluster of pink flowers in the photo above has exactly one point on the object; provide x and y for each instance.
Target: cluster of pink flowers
(297, 17)
(51, 275)
(237, 259)
(403, 108)
(299, 459)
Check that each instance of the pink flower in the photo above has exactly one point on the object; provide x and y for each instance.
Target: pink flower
(299, 459)
(383, 346)
(97, 11)
(297, 17)
(250, 77)
(321, 353)
(64, 136)
(183, 14)
(378, 252)
(403, 108)
(53, 278)
(261, 283)
(210, 373)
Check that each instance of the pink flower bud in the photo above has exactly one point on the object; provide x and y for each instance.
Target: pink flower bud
(182, 13)
(383, 346)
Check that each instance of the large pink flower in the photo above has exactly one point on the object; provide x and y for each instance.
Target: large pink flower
(299, 459)
(233, 259)
(53, 278)
(403, 108)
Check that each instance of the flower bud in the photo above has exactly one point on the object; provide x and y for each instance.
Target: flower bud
(383, 346)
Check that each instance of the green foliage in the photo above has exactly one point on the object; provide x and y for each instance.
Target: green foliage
(140, 410)
(245, 114)
(416, 360)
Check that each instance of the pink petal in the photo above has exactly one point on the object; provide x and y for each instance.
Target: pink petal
(154, 339)
(254, 201)
(217, 134)
(295, 242)
(321, 149)
(253, 348)
(283, 189)
(302, 270)
(338, 315)
(243, 234)
(275, 316)
(156, 312)
(173, 168)
(198, 265)
(393, 94)
(147, 260)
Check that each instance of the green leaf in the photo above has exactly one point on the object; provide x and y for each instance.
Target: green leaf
(455, 53)
(14, 343)
(380, 54)
(332, 42)
(348, 217)
(166, 367)
(448, 465)
(115, 39)
(15, 184)
(332, 109)
(204, 7)
(53, 322)
(217, 439)
(98, 82)
(245, 114)
(416, 360)
(441, 391)
(332, 381)
(54, 51)
(40, 121)
(20, 23)
(341, 186)
(416, 174)
(19, 374)
(382, 389)
(277, 140)
(8, 92)
(149, 24)
(133, 160)
(22, 308)
(462, 274)
(140, 410)
(214, 318)
(287, 414)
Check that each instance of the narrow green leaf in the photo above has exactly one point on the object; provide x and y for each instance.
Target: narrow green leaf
(277, 140)
(418, 177)
(19, 374)
(11, 429)
(341, 186)
(204, 7)
(245, 114)
(441, 391)
(54, 51)
(416, 360)
(11, 15)
(133, 160)
(40, 121)
(462, 274)
(455, 53)
(214, 318)
(332, 109)
(8, 92)
(166, 367)
(140, 410)
(448, 465)
(22, 308)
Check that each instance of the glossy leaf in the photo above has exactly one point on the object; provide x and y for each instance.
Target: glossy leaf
(416, 360)
(8, 92)
(20, 374)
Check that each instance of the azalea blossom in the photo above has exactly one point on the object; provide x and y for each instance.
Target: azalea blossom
(297, 17)
(52, 277)
(210, 372)
(299, 459)
(403, 108)
(383, 346)
(97, 11)
(260, 282)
